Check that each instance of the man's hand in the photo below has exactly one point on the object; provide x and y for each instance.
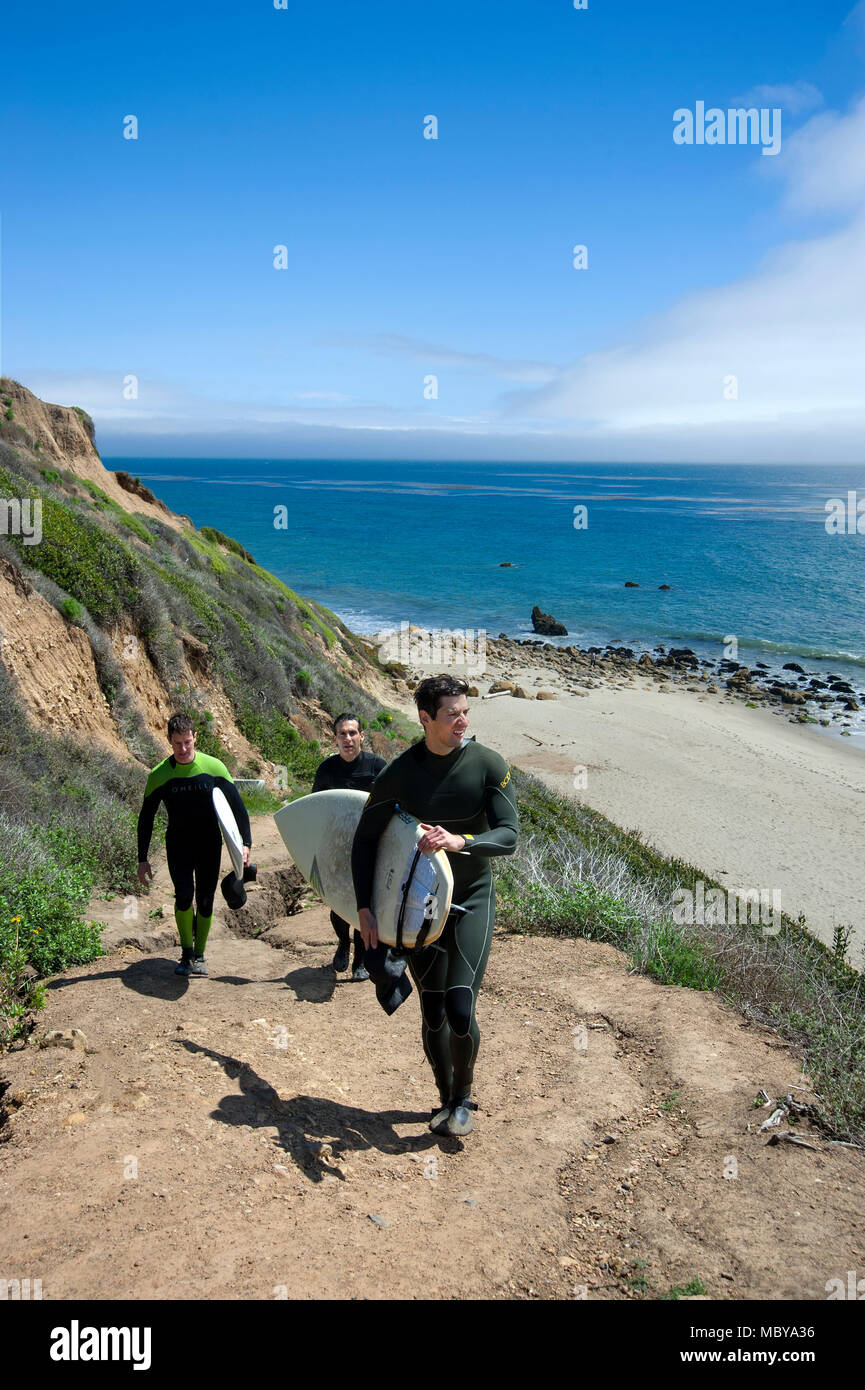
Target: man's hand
(437, 838)
(144, 871)
(246, 854)
(368, 929)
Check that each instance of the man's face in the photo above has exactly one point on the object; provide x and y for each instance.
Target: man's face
(349, 739)
(449, 727)
(183, 746)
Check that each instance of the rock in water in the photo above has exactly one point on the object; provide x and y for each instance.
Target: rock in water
(547, 625)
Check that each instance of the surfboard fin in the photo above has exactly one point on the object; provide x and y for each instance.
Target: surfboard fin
(315, 878)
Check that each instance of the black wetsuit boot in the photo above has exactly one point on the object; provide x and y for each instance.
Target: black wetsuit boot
(358, 970)
(343, 933)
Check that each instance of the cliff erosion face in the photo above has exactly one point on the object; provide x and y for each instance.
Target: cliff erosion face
(122, 612)
(51, 663)
(66, 434)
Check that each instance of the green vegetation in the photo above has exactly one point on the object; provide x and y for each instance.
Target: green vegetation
(210, 549)
(261, 803)
(18, 995)
(80, 557)
(71, 609)
(210, 533)
(577, 874)
(690, 1290)
(50, 475)
(102, 502)
(40, 913)
(68, 825)
(396, 727)
(317, 623)
(280, 742)
(639, 1280)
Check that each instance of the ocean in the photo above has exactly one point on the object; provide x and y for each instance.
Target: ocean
(744, 549)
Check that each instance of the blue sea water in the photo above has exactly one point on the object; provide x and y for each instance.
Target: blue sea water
(744, 549)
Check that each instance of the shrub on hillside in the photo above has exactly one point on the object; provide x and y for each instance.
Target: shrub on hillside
(81, 557)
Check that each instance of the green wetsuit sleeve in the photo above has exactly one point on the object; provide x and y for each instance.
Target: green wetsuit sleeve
(376, 813)
(501, 812)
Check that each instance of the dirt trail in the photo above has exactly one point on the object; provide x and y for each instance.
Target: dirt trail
(262, 1133)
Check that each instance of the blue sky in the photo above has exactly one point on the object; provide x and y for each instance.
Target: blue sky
(407, 257)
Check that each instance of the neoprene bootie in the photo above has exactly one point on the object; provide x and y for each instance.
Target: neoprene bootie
(185, 966)
(438, 1123)
(461, 1121)
(440, 1117)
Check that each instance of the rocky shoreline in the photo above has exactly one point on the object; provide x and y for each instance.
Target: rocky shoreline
(825, 699)
(805, 697)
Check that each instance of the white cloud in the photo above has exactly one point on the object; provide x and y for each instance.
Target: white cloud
(433, 354)
(824, 162)
(163, 409)
(793, 333)
(855, 20)
(794, 98)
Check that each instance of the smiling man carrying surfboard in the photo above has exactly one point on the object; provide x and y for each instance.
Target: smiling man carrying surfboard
(185, 782)
(461, 794)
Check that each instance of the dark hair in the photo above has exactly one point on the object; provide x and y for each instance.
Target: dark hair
(345, 718)
(180, 724)
(431, 691)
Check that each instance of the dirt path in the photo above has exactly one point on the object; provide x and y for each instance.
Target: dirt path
(262, 1133)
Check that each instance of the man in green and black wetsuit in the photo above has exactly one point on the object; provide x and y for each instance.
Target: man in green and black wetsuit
(461, 794)
(184, 782)
(352, 769)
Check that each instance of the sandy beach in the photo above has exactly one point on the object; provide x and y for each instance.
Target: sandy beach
(754, 800)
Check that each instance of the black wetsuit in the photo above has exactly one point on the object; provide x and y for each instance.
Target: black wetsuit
(335, 774)
(467, 792)
(193, 843)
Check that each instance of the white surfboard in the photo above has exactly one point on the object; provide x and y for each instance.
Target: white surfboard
(230, 833)
(318, 831)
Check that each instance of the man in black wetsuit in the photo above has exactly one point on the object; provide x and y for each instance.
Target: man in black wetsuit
(352, 769)
(193, 842)
(461, 794)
